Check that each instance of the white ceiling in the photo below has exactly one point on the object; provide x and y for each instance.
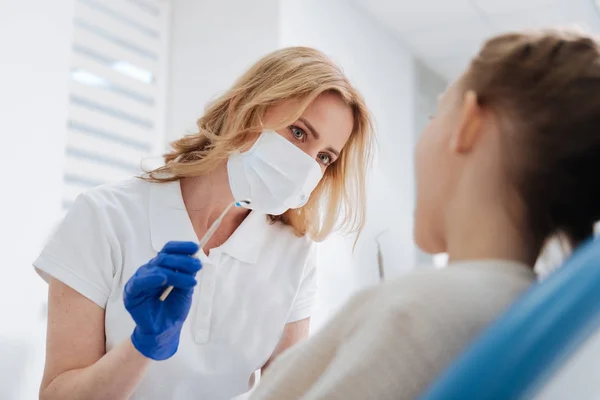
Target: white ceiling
(447, 33)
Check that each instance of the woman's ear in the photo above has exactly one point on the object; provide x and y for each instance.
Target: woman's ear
(469, 125)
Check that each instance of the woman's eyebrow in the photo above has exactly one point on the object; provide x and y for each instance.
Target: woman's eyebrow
(311, 128)
(317, 135)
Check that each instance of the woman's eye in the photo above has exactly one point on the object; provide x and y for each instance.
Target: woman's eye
(298, 133)
(325, 159)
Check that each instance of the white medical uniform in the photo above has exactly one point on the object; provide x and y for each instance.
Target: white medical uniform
(262, 278)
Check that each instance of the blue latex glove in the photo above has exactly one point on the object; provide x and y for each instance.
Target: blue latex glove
(158, 323)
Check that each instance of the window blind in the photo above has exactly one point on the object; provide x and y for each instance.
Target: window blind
(117, 91)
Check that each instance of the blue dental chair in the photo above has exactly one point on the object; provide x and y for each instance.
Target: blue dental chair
(520, 351)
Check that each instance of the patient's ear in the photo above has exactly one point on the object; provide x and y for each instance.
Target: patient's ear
(470, 124)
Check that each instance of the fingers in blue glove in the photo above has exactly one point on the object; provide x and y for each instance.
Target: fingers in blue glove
(173, 278)
(145, 282)
(158, 277)
(185, 264)
(179, 281)
(183, 248)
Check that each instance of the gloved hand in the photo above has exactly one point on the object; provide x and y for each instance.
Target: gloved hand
(158, 323)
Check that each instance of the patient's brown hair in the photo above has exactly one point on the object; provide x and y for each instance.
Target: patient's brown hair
(544, 87)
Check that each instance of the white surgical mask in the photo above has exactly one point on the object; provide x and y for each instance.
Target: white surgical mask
(274, 174)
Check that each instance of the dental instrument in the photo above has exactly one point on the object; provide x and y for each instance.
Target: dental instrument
(213, 228)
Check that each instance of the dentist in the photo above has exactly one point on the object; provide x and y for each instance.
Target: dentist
(292, 135)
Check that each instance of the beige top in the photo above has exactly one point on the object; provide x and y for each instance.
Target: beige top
(393, 340)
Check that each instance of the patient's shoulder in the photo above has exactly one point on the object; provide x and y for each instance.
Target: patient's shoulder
(463, 292)
(393, 339)
(457, 300)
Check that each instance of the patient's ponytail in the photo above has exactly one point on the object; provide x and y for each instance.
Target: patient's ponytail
(547, 85)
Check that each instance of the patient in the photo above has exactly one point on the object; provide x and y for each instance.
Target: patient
(511, 158)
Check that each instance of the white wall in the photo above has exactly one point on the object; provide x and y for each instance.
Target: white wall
(212, 43)
(35, 38)
(577, 378)
(382, 69)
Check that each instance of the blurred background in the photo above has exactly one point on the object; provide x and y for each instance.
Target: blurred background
(90, 88)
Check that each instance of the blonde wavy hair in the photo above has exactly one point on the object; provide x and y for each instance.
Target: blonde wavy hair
(234, 120)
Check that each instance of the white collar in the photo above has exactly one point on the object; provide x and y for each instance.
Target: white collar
(169, 220)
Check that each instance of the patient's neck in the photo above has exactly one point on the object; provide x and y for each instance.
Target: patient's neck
(487, 231)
